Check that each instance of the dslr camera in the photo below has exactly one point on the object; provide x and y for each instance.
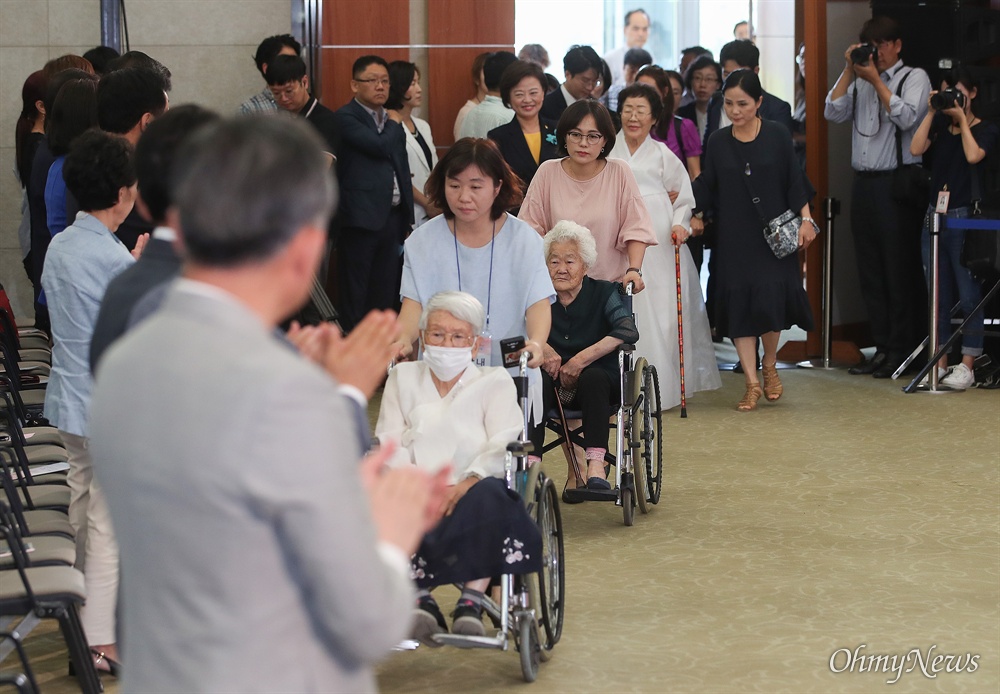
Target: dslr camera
(861, 54)
(946, 98)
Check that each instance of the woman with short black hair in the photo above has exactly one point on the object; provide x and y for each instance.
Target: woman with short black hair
(593, 191)
(477, 247)
(405, 96)
(703, 78)
(528, 139)
(80, 263)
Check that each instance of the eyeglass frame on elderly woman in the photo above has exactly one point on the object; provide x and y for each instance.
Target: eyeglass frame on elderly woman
(439, 339)
(576, 137)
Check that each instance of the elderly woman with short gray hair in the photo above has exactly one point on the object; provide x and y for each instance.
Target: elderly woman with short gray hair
(444, 410)
(589, 322)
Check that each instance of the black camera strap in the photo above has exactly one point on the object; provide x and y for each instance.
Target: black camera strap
(899, 133)
(746, 179)
(977, 194)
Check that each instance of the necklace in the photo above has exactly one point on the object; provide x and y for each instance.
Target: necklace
(755, 133)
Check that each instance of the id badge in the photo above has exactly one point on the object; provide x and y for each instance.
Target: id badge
(942, 202)
(485, 348)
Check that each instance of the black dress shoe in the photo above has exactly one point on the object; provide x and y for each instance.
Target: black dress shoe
(887, 369)
(870, 366)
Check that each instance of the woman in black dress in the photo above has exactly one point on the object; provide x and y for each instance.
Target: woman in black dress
(759, 295)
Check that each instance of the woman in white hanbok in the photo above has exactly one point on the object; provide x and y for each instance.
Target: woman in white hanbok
(666, 190)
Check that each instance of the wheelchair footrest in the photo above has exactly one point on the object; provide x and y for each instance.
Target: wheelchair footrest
(584, 494)
(457, 640)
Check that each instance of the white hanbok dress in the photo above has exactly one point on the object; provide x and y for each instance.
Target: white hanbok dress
(658, 170)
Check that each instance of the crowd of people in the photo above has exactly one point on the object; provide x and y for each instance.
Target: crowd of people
(169, 250)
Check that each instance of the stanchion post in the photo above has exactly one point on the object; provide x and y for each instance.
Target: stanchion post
(932, 385)
(831, 208)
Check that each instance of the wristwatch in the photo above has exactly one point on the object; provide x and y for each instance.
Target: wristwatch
(635, 270)
(699, 215)
(813, 222)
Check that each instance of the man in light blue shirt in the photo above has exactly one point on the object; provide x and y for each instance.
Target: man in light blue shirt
(884, 100)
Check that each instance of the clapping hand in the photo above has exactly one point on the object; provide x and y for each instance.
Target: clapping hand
(140, 246)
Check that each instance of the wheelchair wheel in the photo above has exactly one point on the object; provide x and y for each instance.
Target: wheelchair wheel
(549, 590)
(652, 433)
(628, 505)
(528, 647)
(637, 435)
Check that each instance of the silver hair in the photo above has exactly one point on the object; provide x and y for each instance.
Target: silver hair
(461, 305)
(565, 231)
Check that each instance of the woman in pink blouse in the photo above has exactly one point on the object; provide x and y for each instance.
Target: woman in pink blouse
(593, 191)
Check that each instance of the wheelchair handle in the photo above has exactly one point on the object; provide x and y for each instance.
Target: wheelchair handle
(630, 288)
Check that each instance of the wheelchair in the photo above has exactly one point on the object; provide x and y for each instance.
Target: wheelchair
(638, 458)
(529, 613)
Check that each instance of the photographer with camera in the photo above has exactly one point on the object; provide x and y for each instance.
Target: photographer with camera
(959, 140)
(885, 103)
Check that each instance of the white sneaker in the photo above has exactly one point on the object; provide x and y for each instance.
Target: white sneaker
(942, 372)
(959, 377)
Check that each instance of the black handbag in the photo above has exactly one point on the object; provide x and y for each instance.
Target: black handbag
(782, 232)
(981, 249)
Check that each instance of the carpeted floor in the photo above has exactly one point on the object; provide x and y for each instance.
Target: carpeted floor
(847, 516)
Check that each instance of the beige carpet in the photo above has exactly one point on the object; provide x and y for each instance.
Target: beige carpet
(847, 514)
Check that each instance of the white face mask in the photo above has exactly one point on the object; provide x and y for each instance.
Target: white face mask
(447, 362)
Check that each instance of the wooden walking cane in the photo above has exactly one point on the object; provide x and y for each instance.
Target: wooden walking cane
(680, 328)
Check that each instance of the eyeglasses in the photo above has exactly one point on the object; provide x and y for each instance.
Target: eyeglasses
(286, 91)
(638, 112)
(377, 81)
(577, 137)
(701, 79)
(437, 338)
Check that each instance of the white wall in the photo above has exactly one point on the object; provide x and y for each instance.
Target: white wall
(207, 44)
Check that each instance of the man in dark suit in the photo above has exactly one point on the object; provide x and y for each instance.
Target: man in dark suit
(159, 262)
(377, 198)
(739, 55)
(582, 67)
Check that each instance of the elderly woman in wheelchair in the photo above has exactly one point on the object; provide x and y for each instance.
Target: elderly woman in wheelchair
(589, 322)
(444, 410)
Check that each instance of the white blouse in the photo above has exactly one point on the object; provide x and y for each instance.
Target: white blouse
(469, 428)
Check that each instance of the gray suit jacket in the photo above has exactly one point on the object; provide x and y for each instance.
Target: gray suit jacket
(249, 560)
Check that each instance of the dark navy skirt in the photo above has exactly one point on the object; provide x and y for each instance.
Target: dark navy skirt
(489, 533)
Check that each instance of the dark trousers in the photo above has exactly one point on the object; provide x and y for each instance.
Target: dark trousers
(597, 393)
(370, 266)
(887, 245)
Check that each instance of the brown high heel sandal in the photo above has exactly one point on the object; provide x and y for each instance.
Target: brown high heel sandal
(750, 398)
(772, 384)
